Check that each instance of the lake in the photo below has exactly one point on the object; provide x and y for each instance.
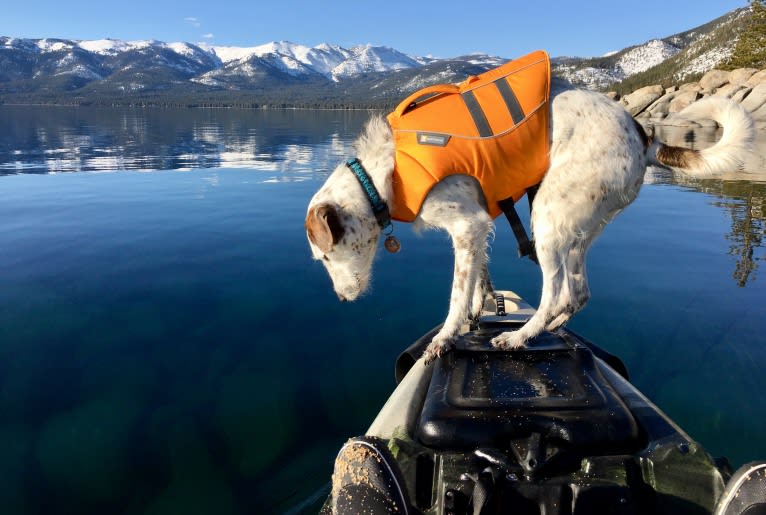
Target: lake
(168, 346)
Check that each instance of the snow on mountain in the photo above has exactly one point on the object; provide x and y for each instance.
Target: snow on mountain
(645, 56)
(368, 58)
(113, 46)
(490, 61)
(53, 45)
(61, 66)
(331, 61)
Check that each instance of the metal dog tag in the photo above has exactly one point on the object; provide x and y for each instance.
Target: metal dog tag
(392, 244)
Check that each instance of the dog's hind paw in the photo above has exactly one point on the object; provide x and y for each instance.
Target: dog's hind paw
(435, 349)
(508, 341)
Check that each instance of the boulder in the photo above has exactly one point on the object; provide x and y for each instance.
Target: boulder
(671, 89)
(85, 454)
(729, 90)
(613, 95)
(661, 107)
(756, 78)
(759, 115)
(740, 95)
(714, 79)
(683, 99)
(694, 86)
(197, 483)
(756, 98)
(256, 424)
(641, 98)
(741, 75)
(15, 490)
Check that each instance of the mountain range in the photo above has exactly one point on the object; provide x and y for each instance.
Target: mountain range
(288, 74)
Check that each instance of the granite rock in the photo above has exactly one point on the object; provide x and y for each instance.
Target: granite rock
(642, 98)
(756, 99)
(714, 79)
(756, 78)
(683, 99)
(741, 75)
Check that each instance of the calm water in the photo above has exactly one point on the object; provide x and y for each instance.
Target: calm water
(167, 345)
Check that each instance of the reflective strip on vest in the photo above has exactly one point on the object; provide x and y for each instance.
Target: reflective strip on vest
(493, 127)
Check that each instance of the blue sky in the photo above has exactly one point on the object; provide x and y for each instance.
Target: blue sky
(441, 28)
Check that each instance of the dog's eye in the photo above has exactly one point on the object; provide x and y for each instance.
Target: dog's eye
(324, 256)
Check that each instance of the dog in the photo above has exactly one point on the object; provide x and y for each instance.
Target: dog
(597, 161)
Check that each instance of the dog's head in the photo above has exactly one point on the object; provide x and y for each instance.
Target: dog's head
(343, 234)
(342, 230)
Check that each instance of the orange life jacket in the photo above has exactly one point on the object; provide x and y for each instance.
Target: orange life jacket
(493, 126)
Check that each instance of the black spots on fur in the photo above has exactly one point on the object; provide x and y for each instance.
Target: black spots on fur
(604, 193)
(678, 157)
(461, 277)
(462, 244)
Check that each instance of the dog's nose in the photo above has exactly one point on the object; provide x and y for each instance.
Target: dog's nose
(342, 298)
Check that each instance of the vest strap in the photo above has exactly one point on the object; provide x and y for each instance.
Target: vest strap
(526, 247)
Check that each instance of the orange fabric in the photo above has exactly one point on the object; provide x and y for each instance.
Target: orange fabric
(506, 162)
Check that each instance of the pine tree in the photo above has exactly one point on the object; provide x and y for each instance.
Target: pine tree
(750, 51)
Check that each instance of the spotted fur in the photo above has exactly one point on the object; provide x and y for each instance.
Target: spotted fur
(598, 158)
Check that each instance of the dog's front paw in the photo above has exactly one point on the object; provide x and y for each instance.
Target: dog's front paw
(436, 348)
(508, 341)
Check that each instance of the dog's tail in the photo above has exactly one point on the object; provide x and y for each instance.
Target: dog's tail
(727, 155)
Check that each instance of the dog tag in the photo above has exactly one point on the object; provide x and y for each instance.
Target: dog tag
(392, 244)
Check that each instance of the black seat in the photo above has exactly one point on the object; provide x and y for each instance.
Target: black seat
(551, 392)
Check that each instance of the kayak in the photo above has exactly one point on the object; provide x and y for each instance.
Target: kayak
(553, 428)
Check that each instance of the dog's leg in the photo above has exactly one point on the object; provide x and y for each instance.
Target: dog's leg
(552, 265)
(469, 259)
(455, 205)
(577, 292)
(481, 291)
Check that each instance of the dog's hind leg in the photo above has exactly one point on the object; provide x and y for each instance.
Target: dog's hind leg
(481, 291)
(575, 292)
(552, 264)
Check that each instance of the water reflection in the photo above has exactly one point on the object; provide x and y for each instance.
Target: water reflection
(53, 140)
(291, 146)
(741, 193)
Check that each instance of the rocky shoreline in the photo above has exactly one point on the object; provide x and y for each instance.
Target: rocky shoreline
(657, 105)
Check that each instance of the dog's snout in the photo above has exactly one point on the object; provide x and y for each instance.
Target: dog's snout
(342, 298)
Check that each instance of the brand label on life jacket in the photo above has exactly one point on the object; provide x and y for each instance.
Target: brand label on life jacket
(429, 138)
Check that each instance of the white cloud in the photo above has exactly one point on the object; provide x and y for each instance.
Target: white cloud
(194, 22)
(209, 35)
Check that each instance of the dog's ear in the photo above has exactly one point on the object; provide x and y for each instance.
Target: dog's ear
(324, 226)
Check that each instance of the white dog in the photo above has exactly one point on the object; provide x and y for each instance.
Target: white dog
(598, 157)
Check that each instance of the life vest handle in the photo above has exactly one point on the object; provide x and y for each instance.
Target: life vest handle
(429, 91)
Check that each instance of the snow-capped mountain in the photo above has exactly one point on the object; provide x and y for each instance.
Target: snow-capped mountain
(331, 61)
(285, 73)
(670, 59)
